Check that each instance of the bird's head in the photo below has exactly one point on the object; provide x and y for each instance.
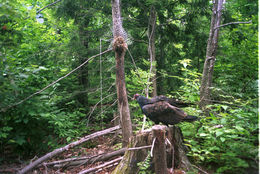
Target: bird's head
(136, 96)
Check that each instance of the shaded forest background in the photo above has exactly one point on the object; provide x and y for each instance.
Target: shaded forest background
(38, 46)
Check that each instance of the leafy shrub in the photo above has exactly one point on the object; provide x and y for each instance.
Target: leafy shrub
(227, 139)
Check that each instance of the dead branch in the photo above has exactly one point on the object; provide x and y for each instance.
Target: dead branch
(232, 23)
(138, 148)
(65, 148)
(47, 6)
(113, 162)
(86, 160)
(200, 169)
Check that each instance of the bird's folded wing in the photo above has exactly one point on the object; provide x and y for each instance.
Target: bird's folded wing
(163, 112)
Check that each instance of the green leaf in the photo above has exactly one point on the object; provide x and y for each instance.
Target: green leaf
(224, 107)
(68, 139)
(218, 133)
(222, 139)
(203, 134)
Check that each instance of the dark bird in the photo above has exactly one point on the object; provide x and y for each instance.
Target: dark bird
(163, 109)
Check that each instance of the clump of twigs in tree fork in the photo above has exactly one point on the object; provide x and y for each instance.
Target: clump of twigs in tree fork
(119, 44)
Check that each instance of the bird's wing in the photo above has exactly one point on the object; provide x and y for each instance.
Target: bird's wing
(163, 112)
(157, 99)
(171, 101)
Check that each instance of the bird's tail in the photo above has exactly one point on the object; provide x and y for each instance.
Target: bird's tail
(190, 118)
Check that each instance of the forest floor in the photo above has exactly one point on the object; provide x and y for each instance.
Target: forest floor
(100, 145)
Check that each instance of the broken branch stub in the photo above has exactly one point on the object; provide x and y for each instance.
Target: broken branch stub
(119, 44)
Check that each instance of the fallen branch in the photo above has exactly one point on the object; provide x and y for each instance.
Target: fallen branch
(200, 169)
(232, 23)
(65, 148)
(138, 148)
(113, 162)
(85, 160)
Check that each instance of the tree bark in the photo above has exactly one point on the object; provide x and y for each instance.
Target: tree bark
(120, 46)
(206, 82)
(180, 158)
(151, 49)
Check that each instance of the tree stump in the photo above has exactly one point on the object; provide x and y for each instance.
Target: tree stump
(168, 151)
(128, 165)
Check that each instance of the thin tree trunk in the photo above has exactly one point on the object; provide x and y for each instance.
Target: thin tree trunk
(83, 72)
(151, 48)
(206, 82)
(120, 46)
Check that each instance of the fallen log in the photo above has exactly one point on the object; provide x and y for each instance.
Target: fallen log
(110, 163)
(65, 148)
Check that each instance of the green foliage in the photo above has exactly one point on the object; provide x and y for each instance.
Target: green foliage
(227, 139)
(145, 165)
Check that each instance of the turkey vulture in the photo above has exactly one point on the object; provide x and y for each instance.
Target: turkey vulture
(164, 110)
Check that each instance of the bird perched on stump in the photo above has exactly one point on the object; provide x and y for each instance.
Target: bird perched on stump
(163, 109)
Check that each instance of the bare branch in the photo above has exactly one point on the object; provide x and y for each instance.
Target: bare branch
(200, 169)
(113, 162)
(232, 23)
(91, 112)
(85, 160)
(138, 148)
(47, 6)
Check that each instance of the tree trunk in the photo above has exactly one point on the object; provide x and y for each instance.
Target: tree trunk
(151, 48)
(83, 71)
(180, 158)
(120, 46)
(206, 82)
